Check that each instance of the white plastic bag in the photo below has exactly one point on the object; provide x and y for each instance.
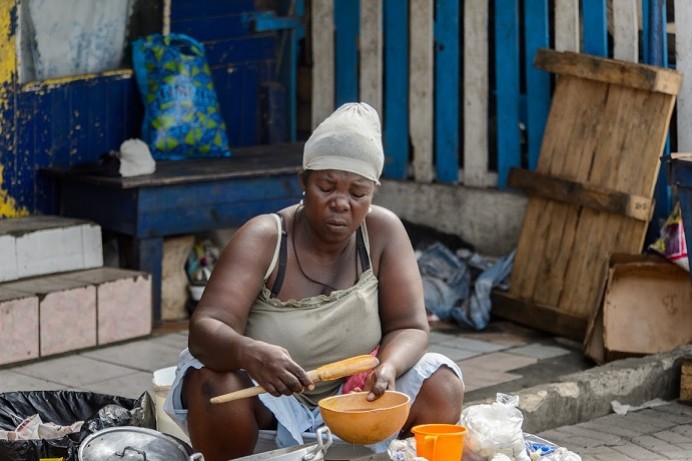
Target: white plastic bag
(494, 429)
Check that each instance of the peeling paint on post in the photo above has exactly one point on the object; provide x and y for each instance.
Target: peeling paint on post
(8, 207)
(8, 82)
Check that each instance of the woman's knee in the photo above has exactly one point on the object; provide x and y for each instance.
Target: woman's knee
(219, 431)
(440, 398)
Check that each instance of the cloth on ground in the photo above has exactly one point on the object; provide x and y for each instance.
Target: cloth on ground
(457, 285)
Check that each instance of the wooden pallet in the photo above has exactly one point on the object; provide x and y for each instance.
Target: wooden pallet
(591, 193)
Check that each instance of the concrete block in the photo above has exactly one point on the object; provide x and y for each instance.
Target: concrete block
(174, 282)
(18, 326)
(48, 244)
(8, 262)
(67, 313)
(123, 305)
(92, 246)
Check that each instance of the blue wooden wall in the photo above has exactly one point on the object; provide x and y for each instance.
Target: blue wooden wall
(74, 121)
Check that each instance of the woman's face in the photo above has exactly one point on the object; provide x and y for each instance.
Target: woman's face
(336, 202)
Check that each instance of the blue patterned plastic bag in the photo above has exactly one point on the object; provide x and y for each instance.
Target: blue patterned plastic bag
(182, 117)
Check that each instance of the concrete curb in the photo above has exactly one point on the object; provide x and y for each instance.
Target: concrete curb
(588, 394)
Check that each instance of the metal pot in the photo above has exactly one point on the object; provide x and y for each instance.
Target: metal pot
(297, 453)
(134, 443)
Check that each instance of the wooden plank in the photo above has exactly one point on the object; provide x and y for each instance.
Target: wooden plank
(567, 25)
(322, 60)
(507, 87)
(598, 135)
(396, 89)
(447, 91)
(627, 172)
(538, 92)
(632, 75)
(541, 262)
(595, 27)
(686, 381)
(346, 21)
(261, 160)
(538, 316)
(683, 48)
(421, 88)
(625, 30)
(575, 193)
(476, 92)
(370, 44)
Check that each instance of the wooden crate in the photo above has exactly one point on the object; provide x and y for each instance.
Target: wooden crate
(591, 193)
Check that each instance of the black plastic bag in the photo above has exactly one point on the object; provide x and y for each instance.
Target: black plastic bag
(98, 411)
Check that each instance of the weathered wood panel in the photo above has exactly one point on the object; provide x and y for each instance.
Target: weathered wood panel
(626, 30)
(567, 25)
(446, 143)
(606, 136)
(421, 77)
(370, 44)
(396, 88)
(323, 60)
(476, 90)
(507, 89)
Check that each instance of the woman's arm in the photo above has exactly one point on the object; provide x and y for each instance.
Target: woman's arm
(401, 302)
(218, 323)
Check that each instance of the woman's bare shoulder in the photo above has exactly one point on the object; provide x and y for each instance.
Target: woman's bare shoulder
(385, 230)
(255, 236)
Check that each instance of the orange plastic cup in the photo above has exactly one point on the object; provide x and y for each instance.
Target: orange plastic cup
(439, 442)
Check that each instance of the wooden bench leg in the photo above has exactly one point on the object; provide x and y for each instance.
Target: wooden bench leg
(147, 256)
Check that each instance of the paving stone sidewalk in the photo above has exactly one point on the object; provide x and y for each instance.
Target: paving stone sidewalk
(652, 434)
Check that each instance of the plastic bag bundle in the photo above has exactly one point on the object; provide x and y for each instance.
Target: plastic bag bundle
(494, 429)
(672, 243)
(181, 111)
(88, 412)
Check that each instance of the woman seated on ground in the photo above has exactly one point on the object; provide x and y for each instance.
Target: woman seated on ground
(323, 280)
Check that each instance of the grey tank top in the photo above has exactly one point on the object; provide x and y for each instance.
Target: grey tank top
(320, 329)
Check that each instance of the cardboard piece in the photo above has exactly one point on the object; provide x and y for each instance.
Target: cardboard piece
(646, 308)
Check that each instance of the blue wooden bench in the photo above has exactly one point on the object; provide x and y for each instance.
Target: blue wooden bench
(181, 197)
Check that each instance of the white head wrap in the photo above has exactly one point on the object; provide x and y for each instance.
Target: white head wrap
(349, 140)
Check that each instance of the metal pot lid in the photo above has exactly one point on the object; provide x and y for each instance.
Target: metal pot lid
(131, 443)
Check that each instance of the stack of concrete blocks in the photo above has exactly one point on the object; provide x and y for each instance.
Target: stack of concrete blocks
(55, 294)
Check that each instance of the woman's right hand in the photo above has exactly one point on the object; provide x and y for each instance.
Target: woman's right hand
(274, 369)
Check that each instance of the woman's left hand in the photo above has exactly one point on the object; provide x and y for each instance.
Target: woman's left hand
(381, 379)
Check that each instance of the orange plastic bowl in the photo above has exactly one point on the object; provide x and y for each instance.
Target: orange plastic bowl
(355, 420)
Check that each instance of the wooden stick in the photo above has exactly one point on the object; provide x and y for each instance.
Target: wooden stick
(329, 372)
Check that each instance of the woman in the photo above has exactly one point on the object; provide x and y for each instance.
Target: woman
(320, 281)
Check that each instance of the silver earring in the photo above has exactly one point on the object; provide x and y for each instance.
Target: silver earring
(369, 209)
(301, 200)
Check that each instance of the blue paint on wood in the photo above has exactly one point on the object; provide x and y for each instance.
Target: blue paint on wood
(595, 27)
(215, 27)
(60, 103)
(79, 123)
(347, 25)
(658, 56)
(396, 140)
(23, 186)
(447, 91)
(97, 109)
(268, 21)
(231, 51)
(187, 9)
(507, 87)
(538, 81)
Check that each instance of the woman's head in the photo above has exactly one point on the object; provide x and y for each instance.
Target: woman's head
(350, 139)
